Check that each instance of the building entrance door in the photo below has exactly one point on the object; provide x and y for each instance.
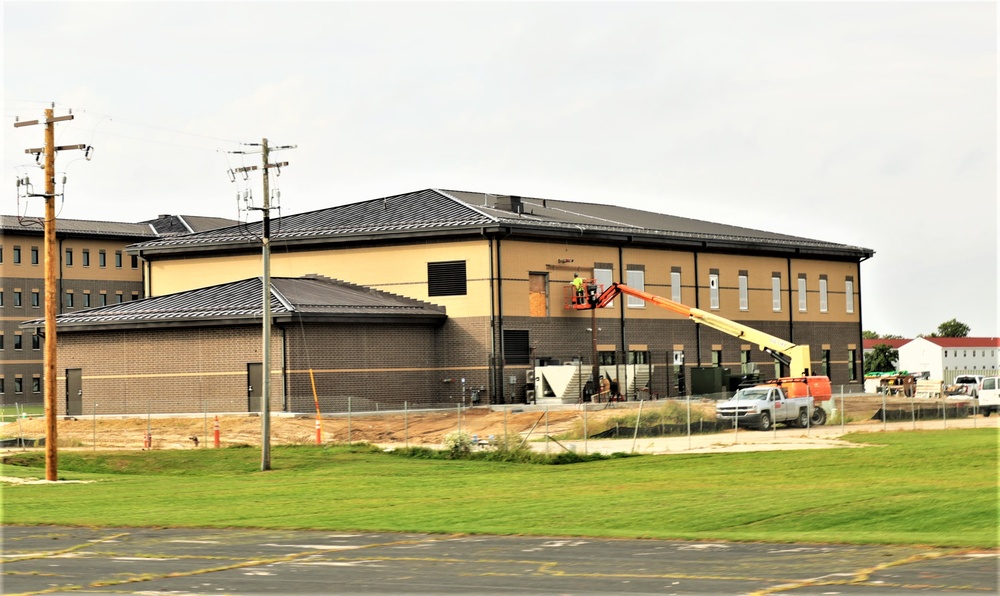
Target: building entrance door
(255, 386)
(74, 392)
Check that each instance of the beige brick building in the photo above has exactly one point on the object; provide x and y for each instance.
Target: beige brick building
(499, 266)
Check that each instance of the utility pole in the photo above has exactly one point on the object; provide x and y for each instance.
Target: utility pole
(265, 407)
(51, 296)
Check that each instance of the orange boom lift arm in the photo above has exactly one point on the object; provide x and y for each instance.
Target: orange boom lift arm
(794, 356)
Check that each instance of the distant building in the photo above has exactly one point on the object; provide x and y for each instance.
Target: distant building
(94, 270)
(895, 344)
(945, 357)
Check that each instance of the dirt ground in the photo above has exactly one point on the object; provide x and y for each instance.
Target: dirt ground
(397, 428)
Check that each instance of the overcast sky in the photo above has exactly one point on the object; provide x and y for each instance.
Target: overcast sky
(869, 124)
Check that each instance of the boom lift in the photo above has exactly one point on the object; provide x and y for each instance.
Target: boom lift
(795, 357)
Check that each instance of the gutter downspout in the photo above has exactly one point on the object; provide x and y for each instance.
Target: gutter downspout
(500, 358)
(493, 330)
(697, 304)
(861, 341)
(621, 318)
(791, 313)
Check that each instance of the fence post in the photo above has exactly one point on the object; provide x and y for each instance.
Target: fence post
(883, 412)
(585, 433)
(546, 430)
(406, 424)
(689, 421)
(348, 419)
(638, 420)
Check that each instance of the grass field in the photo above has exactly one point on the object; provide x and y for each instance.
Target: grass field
(926, 487)
(10, 412)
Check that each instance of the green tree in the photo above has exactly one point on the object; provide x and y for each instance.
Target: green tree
(881, 359)
(952, 328)
(866, 334)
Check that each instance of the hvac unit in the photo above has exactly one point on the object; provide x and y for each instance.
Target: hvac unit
(529, 376)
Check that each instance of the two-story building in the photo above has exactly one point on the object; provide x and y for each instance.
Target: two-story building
(93, 270)
(499, 267)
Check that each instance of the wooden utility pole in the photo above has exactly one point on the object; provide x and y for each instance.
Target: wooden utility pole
(51, 294)
(265, 407)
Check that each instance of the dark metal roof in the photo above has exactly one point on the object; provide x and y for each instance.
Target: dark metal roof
(311, 299)
(436, 212)
(172, 225)
(76, 227)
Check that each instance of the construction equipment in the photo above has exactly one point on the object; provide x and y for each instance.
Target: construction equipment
(795, 357)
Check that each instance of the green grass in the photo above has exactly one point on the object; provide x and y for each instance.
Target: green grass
(934, 488)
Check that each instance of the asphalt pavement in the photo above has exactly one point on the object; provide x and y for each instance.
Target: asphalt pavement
(70, 560)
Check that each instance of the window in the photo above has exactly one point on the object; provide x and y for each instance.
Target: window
(36, 341)
(86, 257)
(675, 284)
(104, 298)
(135, 262)
(86, 300)
(36, 299)
(776, 292)
(69, 257)
(102, 259)
(135, 295)
(2, 390)
(802, 293)
(118, 259)
(852, 367)
(849, 290)
(69, 299)
(1, 341)
(18, 341)
(17, 255)
(18, 385)
(34, 255)
(823, 303)
(446, 278)
(604, 276)
(119, 298)
(826, 363)
(638, 357)
(716, 357)
(1, 297)
(744, 291)
(1, 253)
(36, 384)
(516, 348)
(17, 298)
(713, 289)
(538, 294)
(607, 358)
(635, 277)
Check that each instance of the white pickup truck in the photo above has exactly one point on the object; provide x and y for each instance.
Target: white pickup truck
(763, 406)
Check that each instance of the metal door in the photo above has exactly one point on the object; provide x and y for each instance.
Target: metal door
(74, 392)
(255, 386)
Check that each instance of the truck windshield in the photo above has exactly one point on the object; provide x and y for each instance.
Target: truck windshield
(751, 394)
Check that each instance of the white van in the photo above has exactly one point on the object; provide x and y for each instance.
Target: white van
(989, 395)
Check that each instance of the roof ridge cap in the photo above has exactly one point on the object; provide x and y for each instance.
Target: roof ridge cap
(444, 193)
